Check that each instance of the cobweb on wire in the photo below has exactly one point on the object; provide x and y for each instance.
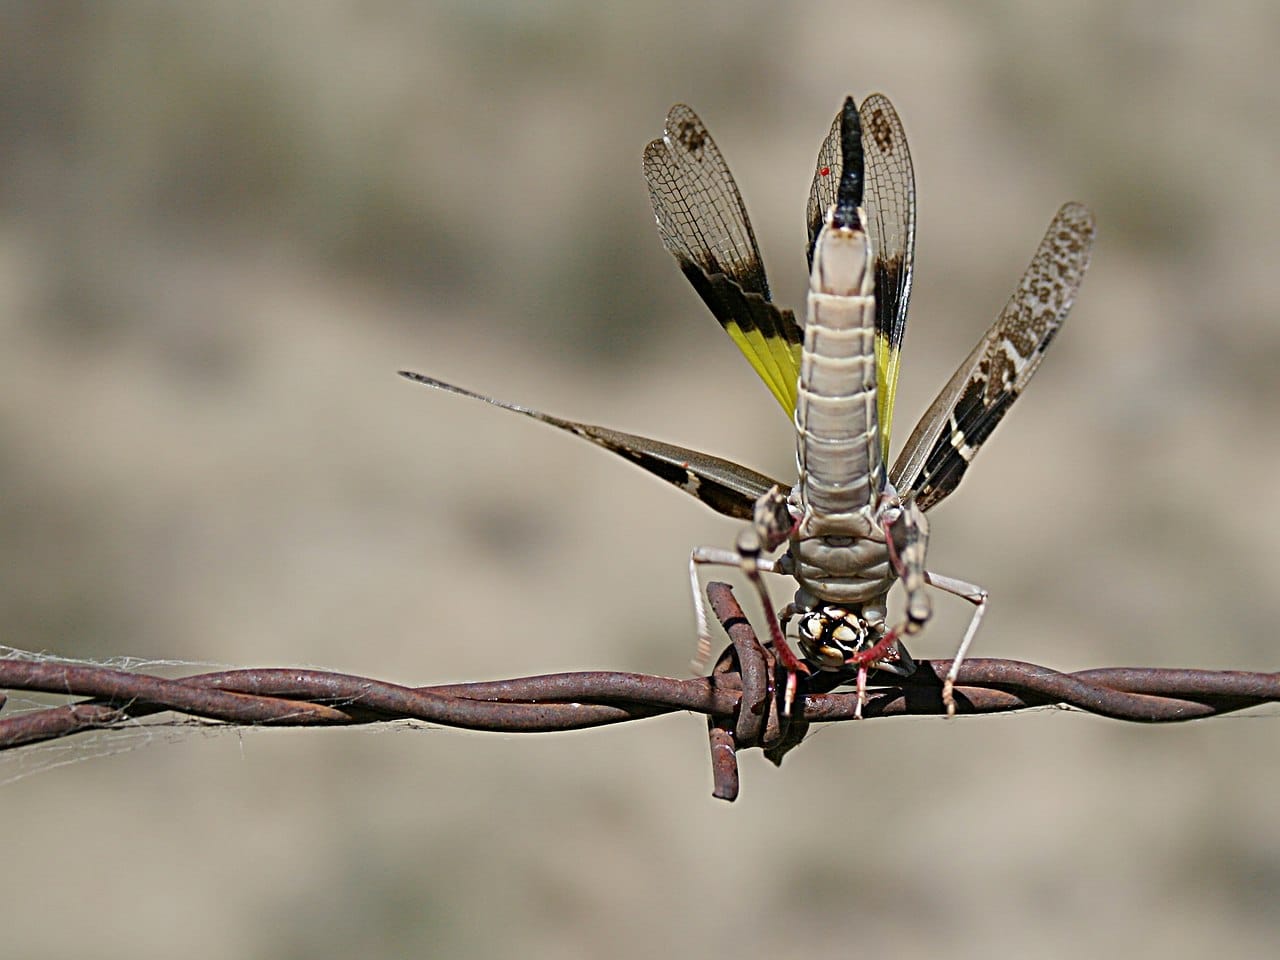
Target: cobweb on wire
(129, 734)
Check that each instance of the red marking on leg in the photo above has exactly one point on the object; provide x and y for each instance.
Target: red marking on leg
(872, 654)
(783, 652)
(790, 662)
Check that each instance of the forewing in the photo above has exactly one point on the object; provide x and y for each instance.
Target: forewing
(890, 202)
(981, 391)
(703, 223)
(721, 484)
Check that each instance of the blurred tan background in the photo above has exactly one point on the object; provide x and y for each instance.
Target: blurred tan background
(224, 227)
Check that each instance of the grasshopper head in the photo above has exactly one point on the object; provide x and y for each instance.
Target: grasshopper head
(832, 638)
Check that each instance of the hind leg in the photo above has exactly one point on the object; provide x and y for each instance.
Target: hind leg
(978, 597)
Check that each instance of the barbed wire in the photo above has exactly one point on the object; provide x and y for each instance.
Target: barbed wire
(741, 698)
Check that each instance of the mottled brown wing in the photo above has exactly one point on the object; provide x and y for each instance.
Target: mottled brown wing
(722, 485)
(980, 392)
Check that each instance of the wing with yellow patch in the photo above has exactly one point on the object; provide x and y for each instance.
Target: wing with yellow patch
(890, 203)
(704, 225)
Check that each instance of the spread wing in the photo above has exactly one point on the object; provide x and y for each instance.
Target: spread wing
(722, 485)
(890, 202)
(703, 224)
(980, 392)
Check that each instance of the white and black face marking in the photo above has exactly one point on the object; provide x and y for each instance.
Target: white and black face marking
(830, 635)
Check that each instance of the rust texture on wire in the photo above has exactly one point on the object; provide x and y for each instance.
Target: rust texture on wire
(741, 698)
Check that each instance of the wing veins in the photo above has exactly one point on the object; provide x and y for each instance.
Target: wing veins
(703, 223)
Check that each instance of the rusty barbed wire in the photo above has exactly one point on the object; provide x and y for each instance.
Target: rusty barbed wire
(740, 698)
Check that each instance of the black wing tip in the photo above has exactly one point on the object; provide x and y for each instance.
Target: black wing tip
(849, 194)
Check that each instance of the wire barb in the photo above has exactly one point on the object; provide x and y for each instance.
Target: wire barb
(741, 698)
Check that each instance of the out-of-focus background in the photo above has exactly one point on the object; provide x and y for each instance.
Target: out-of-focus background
(224, 227)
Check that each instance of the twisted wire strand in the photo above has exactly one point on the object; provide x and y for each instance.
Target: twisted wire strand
(741, 697)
